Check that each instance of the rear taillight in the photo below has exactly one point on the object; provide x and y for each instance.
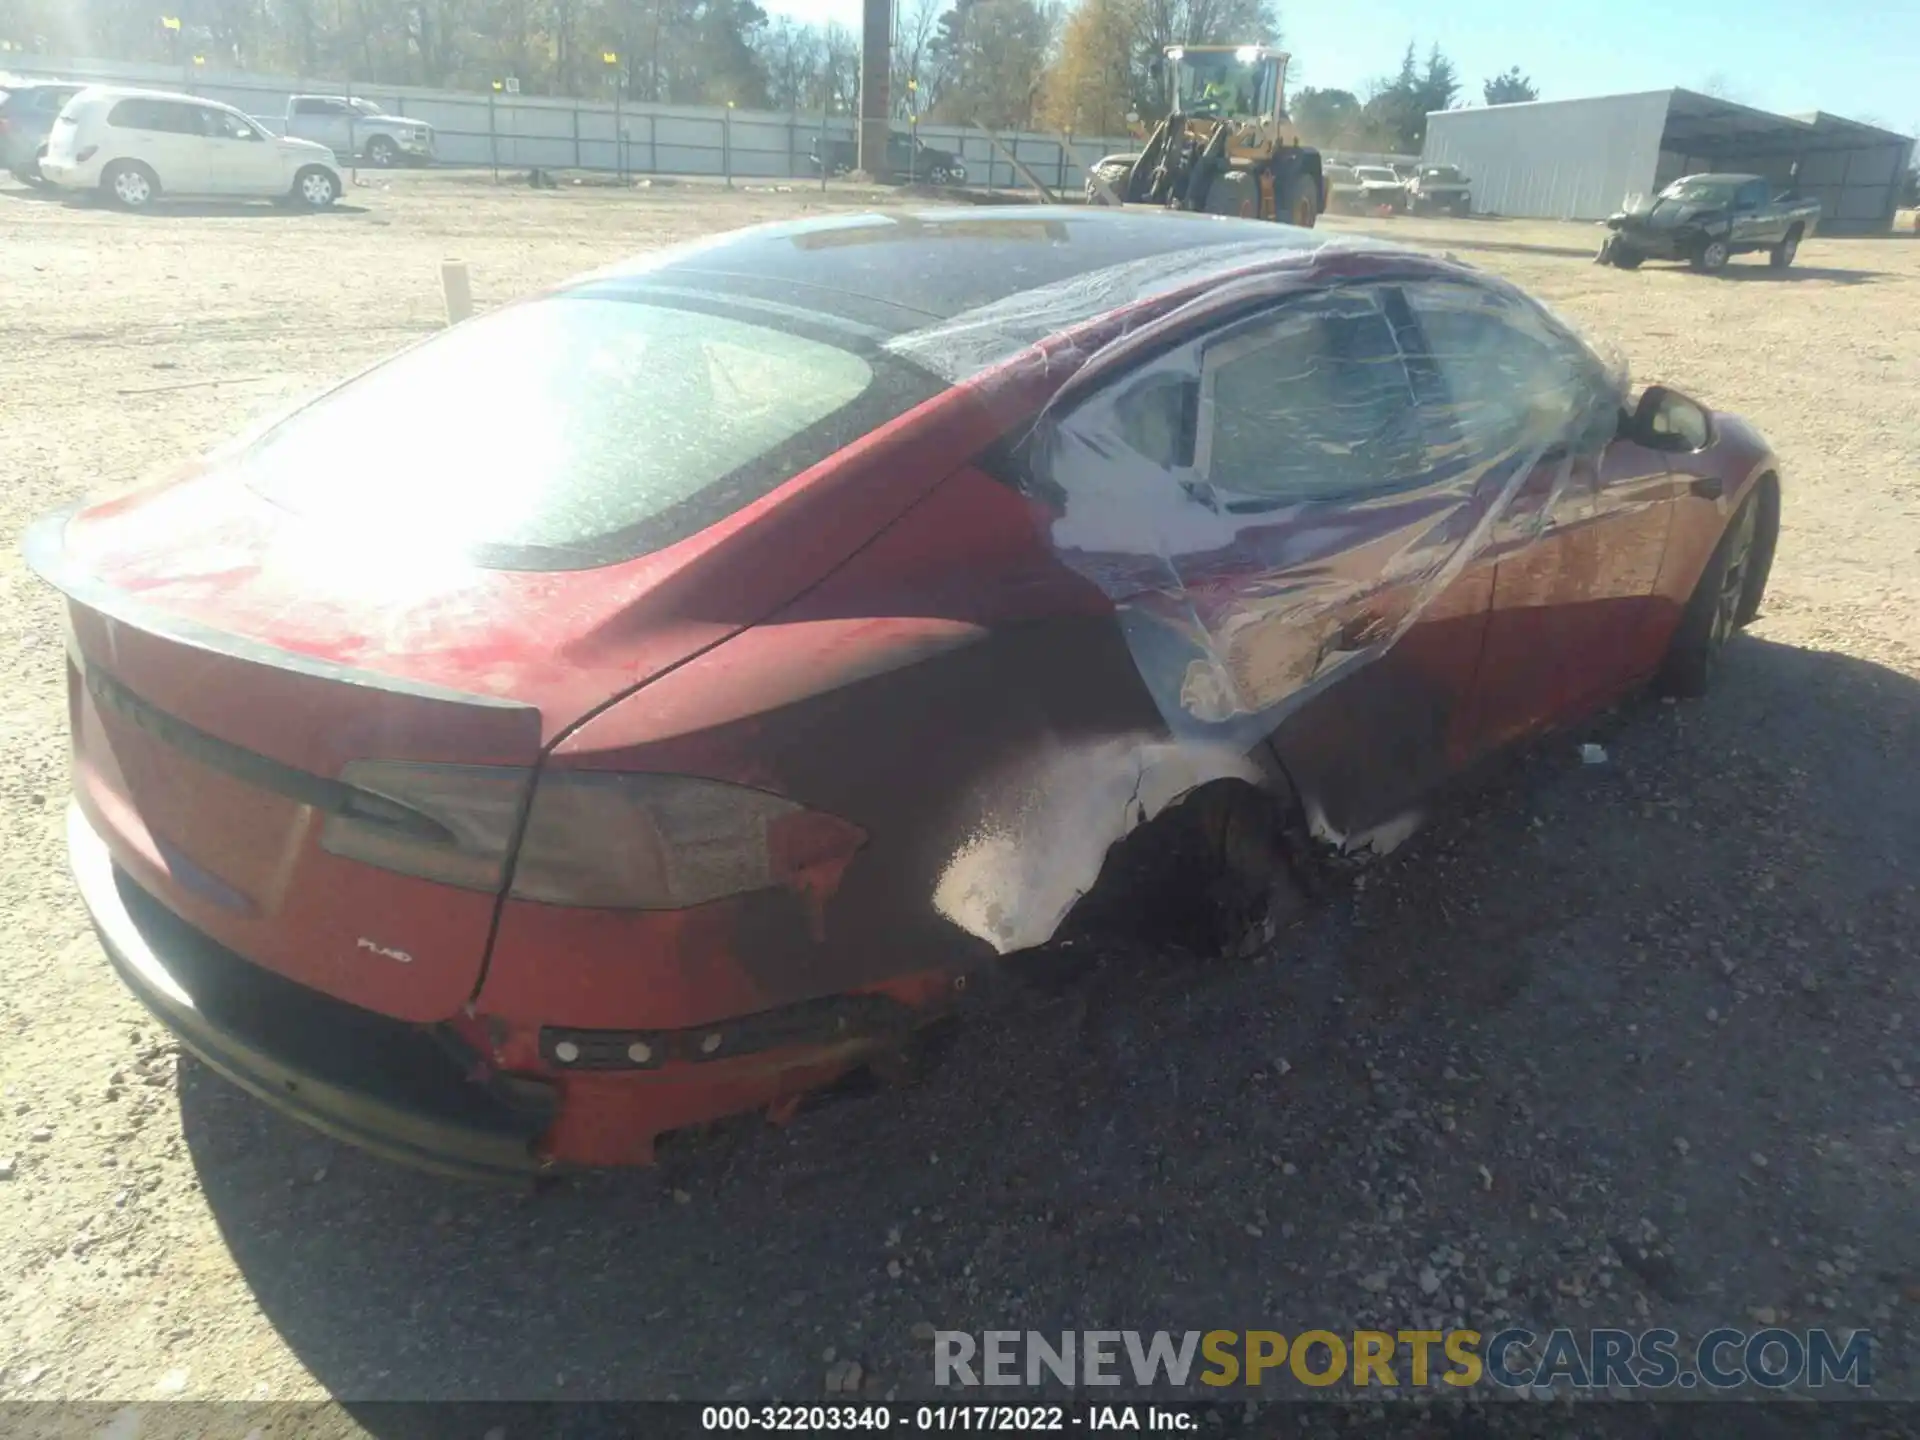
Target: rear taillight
(601, 839)
(461, 821)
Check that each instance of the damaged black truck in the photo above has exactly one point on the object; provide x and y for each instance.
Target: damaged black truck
(1706, 220)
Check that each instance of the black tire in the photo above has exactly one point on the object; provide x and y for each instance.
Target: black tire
(30, 172)
(129, 185)
(1781, 256)
(1711, 256)
(1234, 192)
(382, 153)
(1724, 592)
(1296, 199)
(315, 188)
(1766, 539)
(1626, 257)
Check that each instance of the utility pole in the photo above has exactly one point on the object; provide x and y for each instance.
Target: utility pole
(876, 58)
(611, 59)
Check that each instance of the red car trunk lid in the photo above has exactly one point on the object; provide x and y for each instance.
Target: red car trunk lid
(229, 660)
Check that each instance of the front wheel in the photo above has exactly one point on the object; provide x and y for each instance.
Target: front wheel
(1712, 256)
(1297, 200)
(1724, 598)
(1781, 256)
(1626, 257)
(130, 185)
(315, 188)
(382, 153)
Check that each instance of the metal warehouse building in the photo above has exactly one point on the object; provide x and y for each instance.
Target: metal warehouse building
(1582, 159)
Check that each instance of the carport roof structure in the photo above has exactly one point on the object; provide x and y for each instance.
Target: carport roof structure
(1700, 124)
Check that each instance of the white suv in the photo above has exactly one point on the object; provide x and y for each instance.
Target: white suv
(135, 145)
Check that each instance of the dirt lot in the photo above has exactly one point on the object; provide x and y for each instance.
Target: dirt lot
(1610, 1042)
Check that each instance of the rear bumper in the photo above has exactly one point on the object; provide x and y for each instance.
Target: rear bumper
(399, 1090)
(70, 176)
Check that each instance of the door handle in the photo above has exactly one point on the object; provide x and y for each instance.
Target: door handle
(1706, 487)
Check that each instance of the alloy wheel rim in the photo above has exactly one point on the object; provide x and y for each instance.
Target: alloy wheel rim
(1716, 255)
(318, 190)
(1733, 579)
(131, 186)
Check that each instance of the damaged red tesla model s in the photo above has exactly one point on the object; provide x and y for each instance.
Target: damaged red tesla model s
(650, 701)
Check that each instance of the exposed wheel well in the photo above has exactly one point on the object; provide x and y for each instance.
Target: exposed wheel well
(1200, 876)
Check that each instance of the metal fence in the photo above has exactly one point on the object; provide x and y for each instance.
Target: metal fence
(523, 131)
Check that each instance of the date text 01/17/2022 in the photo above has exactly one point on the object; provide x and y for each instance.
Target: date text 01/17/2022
(979, 1419)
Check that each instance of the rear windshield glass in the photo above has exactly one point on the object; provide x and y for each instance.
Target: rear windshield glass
(572, 431)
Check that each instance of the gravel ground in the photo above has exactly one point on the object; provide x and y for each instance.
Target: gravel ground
(1625, 1043)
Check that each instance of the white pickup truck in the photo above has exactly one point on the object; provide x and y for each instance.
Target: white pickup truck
(362, 128)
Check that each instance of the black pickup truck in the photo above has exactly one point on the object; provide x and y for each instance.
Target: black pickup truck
(1708, 219)
(907, 158)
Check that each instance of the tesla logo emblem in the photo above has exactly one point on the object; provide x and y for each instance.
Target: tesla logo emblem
(402, 956)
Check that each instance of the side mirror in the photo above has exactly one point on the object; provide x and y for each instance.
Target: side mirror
(1667, 420)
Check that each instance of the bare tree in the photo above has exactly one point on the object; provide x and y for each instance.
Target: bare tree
(841, 76)
(1720, 87)
(915, 86)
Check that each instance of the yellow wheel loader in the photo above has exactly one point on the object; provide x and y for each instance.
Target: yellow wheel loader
(1226, 146)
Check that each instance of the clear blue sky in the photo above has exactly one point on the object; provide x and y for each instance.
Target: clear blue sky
(1857, 58)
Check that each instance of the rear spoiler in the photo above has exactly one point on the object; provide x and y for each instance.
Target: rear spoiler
(44, 548)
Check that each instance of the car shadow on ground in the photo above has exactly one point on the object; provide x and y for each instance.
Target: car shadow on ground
(1767, 275)
(183, 209)
(1494, 1039)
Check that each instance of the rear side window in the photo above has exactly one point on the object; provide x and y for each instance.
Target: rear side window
(166, 116)
(319, 107)
(575, 431)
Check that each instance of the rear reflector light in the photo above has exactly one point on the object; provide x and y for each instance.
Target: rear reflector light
(600, 839)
